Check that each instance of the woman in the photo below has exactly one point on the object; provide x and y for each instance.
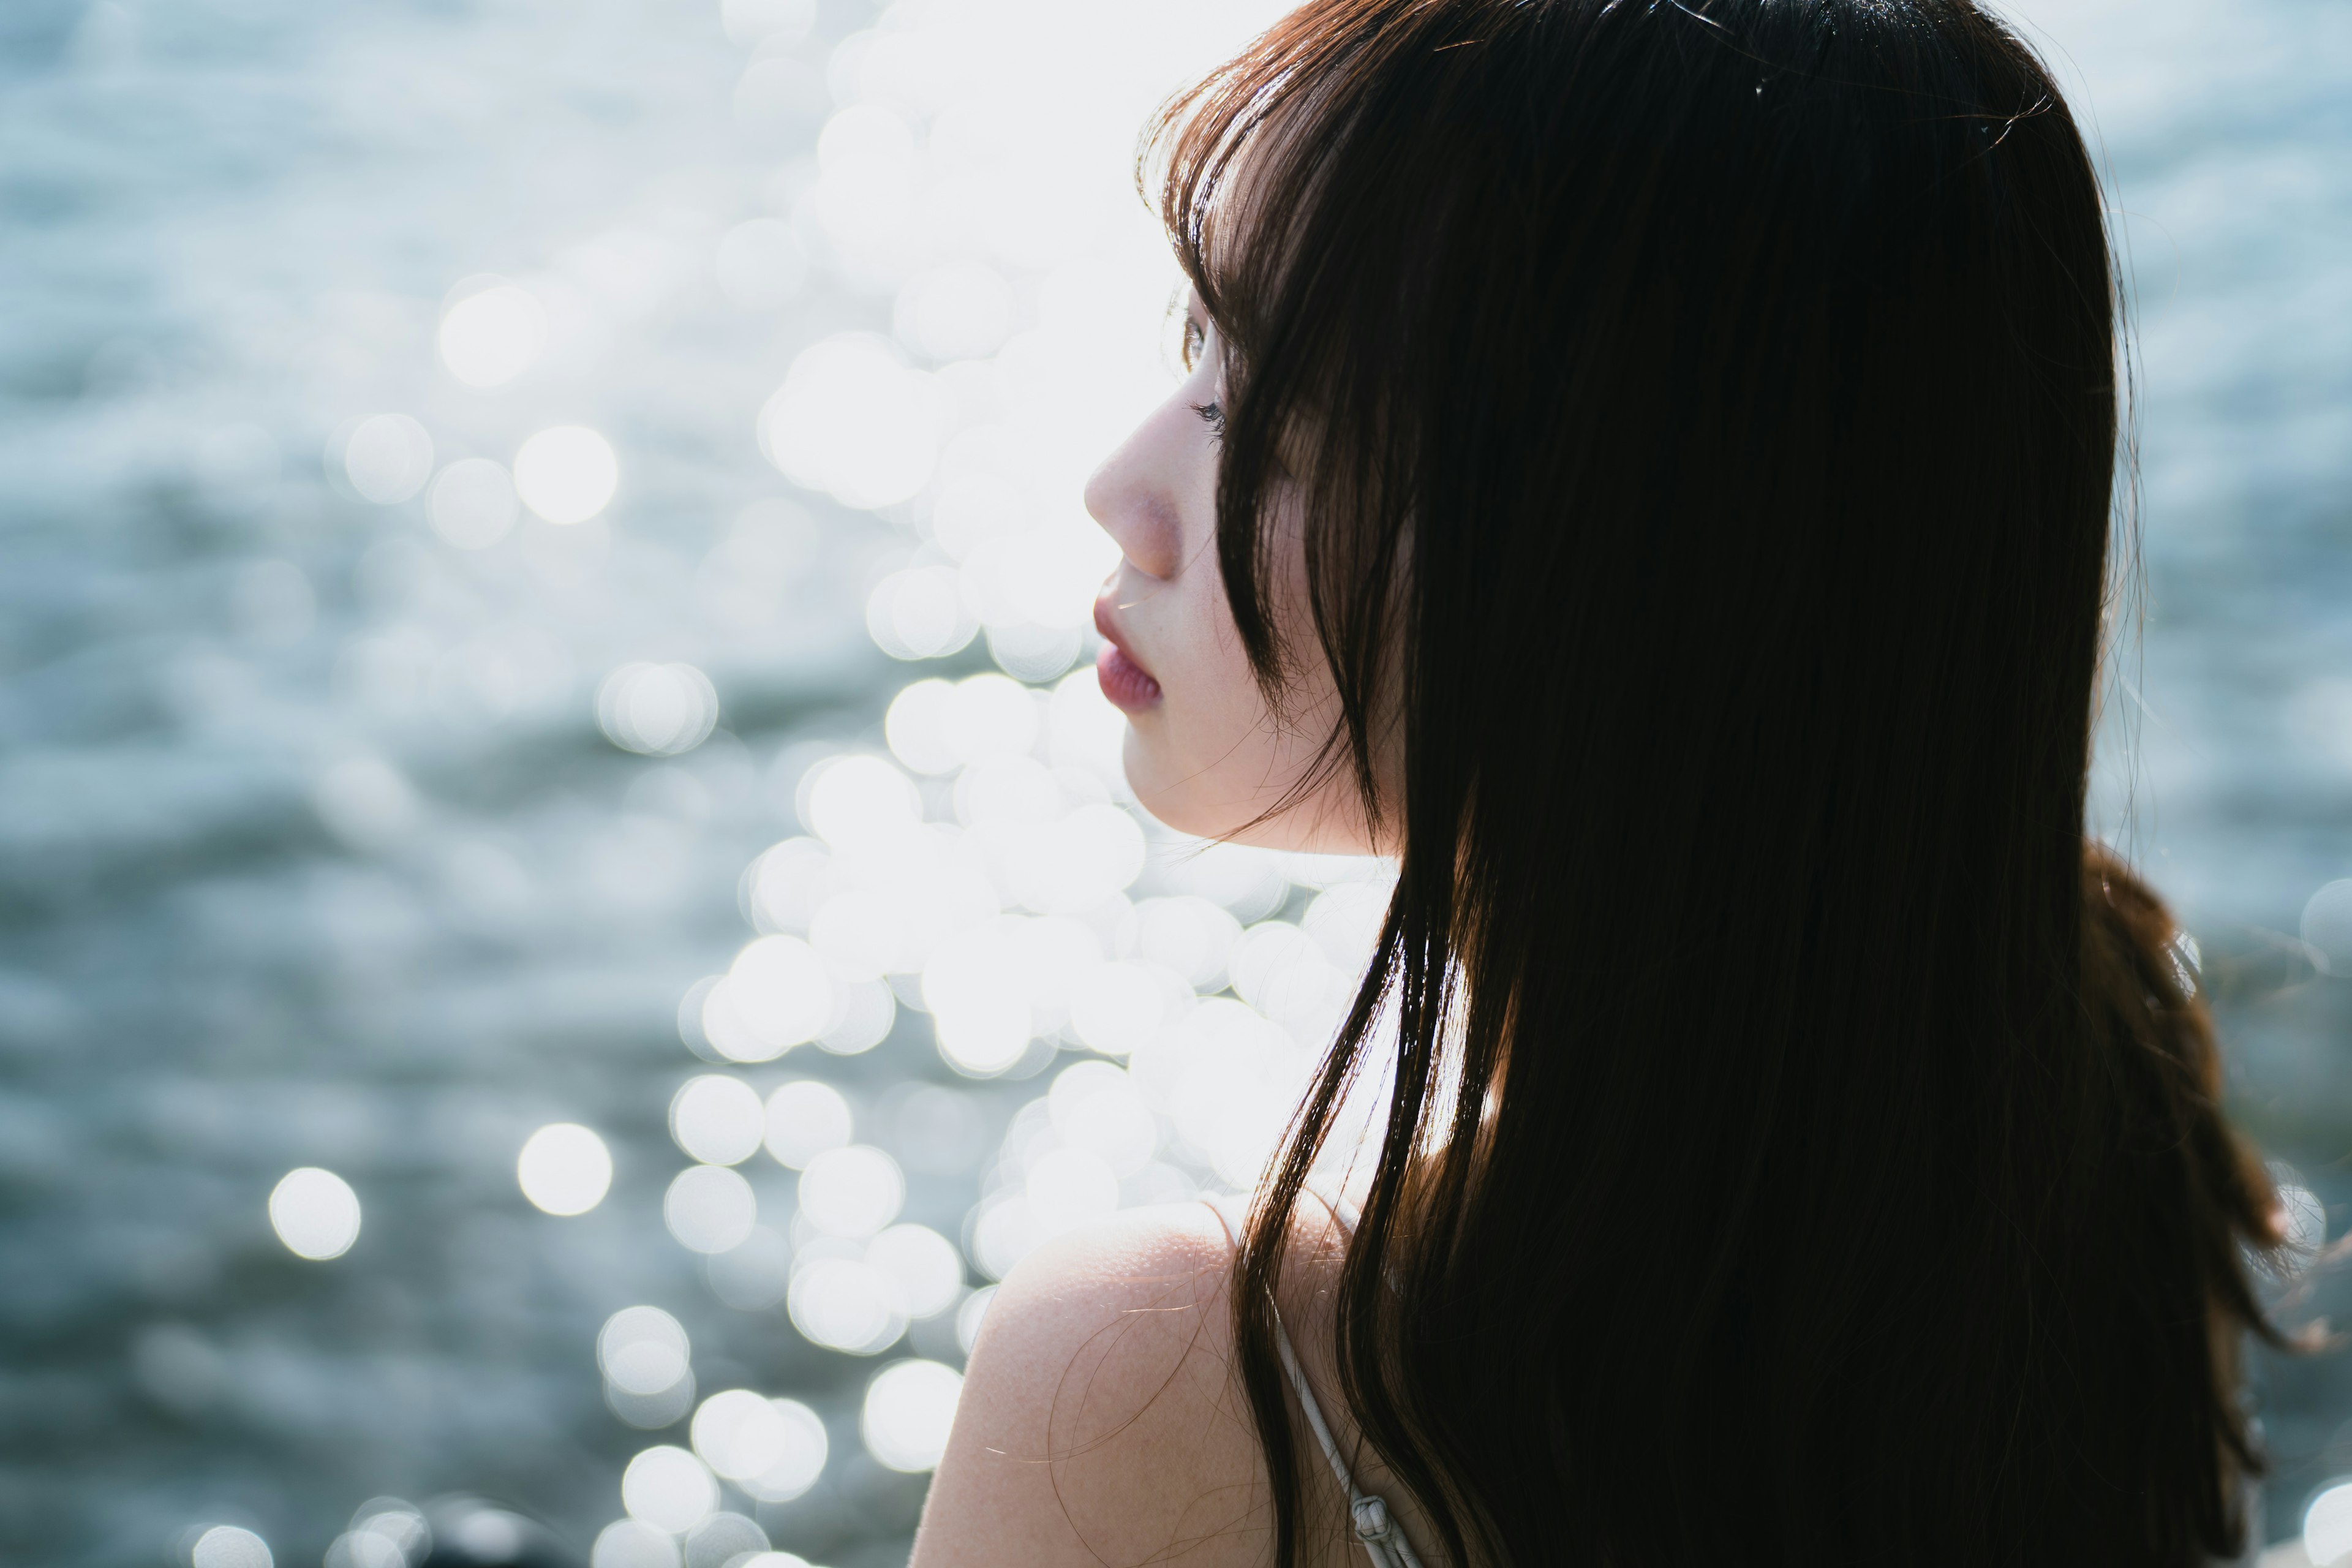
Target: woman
(1648, 466)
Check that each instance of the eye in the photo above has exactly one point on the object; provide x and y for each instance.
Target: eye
(1213, 415)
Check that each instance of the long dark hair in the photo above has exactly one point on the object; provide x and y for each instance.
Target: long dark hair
(1805, 1145)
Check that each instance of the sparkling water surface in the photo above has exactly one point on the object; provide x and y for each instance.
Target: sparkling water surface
(565, 899)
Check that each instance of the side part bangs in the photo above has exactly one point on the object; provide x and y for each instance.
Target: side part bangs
(1290, 182)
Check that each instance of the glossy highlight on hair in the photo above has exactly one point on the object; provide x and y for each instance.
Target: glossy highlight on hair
(1805, 1146)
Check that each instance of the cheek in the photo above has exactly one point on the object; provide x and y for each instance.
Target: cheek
(1211, 701)
(1210, 758)
(1185, 753)
(1218, 678)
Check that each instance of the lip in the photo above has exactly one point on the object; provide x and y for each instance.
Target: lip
(1130, 687)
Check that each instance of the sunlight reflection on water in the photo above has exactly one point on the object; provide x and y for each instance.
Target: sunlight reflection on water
(492, 481)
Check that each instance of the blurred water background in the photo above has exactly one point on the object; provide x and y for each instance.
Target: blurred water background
(566, 901)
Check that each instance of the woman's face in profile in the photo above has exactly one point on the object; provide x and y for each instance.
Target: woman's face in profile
(1204, 754)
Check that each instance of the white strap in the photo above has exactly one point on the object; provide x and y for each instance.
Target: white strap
(1384, 1544)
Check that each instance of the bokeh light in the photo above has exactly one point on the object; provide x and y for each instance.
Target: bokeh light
(2304, 1225)
(859, 298)
(845, 1304)
(2327, 1526)
(473, 504)
(2327, 927)
(227, 1546)
(365, 802)
(1098, 1109)
(1067, 1188)
(644, 1357)
(386, 1533)
(387, 457)
(709, 1208)
(660, 710)
(970, 1316)
(775, 995)
(920, 613)
(724, 1540)
(362, 1549)
(564, 1169)
(938, 727)
(853, 419)
(668, 1489)
(865, 1009)
(775, 1449)
(738, 1434)
(922, 1268)
(909, 1407)
(804, 1119)
(851, 1192)
(633, 1543)
(635, 1326)
(1191, 936)
(566, 474)
(315, 1213)
(963, 311)
(859, 802)
(801, 1458)
(719, 1120)
(978, 1004)
(493, 335)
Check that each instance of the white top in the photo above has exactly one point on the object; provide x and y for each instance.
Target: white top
(1384, 1542)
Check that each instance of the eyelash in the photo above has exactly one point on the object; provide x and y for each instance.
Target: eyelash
(1212, 413)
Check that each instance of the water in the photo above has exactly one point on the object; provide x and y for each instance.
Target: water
(314, 852)
(2227, 754)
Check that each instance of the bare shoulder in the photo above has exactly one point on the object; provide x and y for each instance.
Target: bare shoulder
(1100, 1423)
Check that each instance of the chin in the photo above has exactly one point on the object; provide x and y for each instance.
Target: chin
(1194, 801)
(1171, 799)
(1186, 799)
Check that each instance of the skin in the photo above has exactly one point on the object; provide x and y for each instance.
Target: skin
(1101, 1421)
(1208, 757)
(1102, 1424)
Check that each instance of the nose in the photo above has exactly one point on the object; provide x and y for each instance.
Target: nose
(1132, 497)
